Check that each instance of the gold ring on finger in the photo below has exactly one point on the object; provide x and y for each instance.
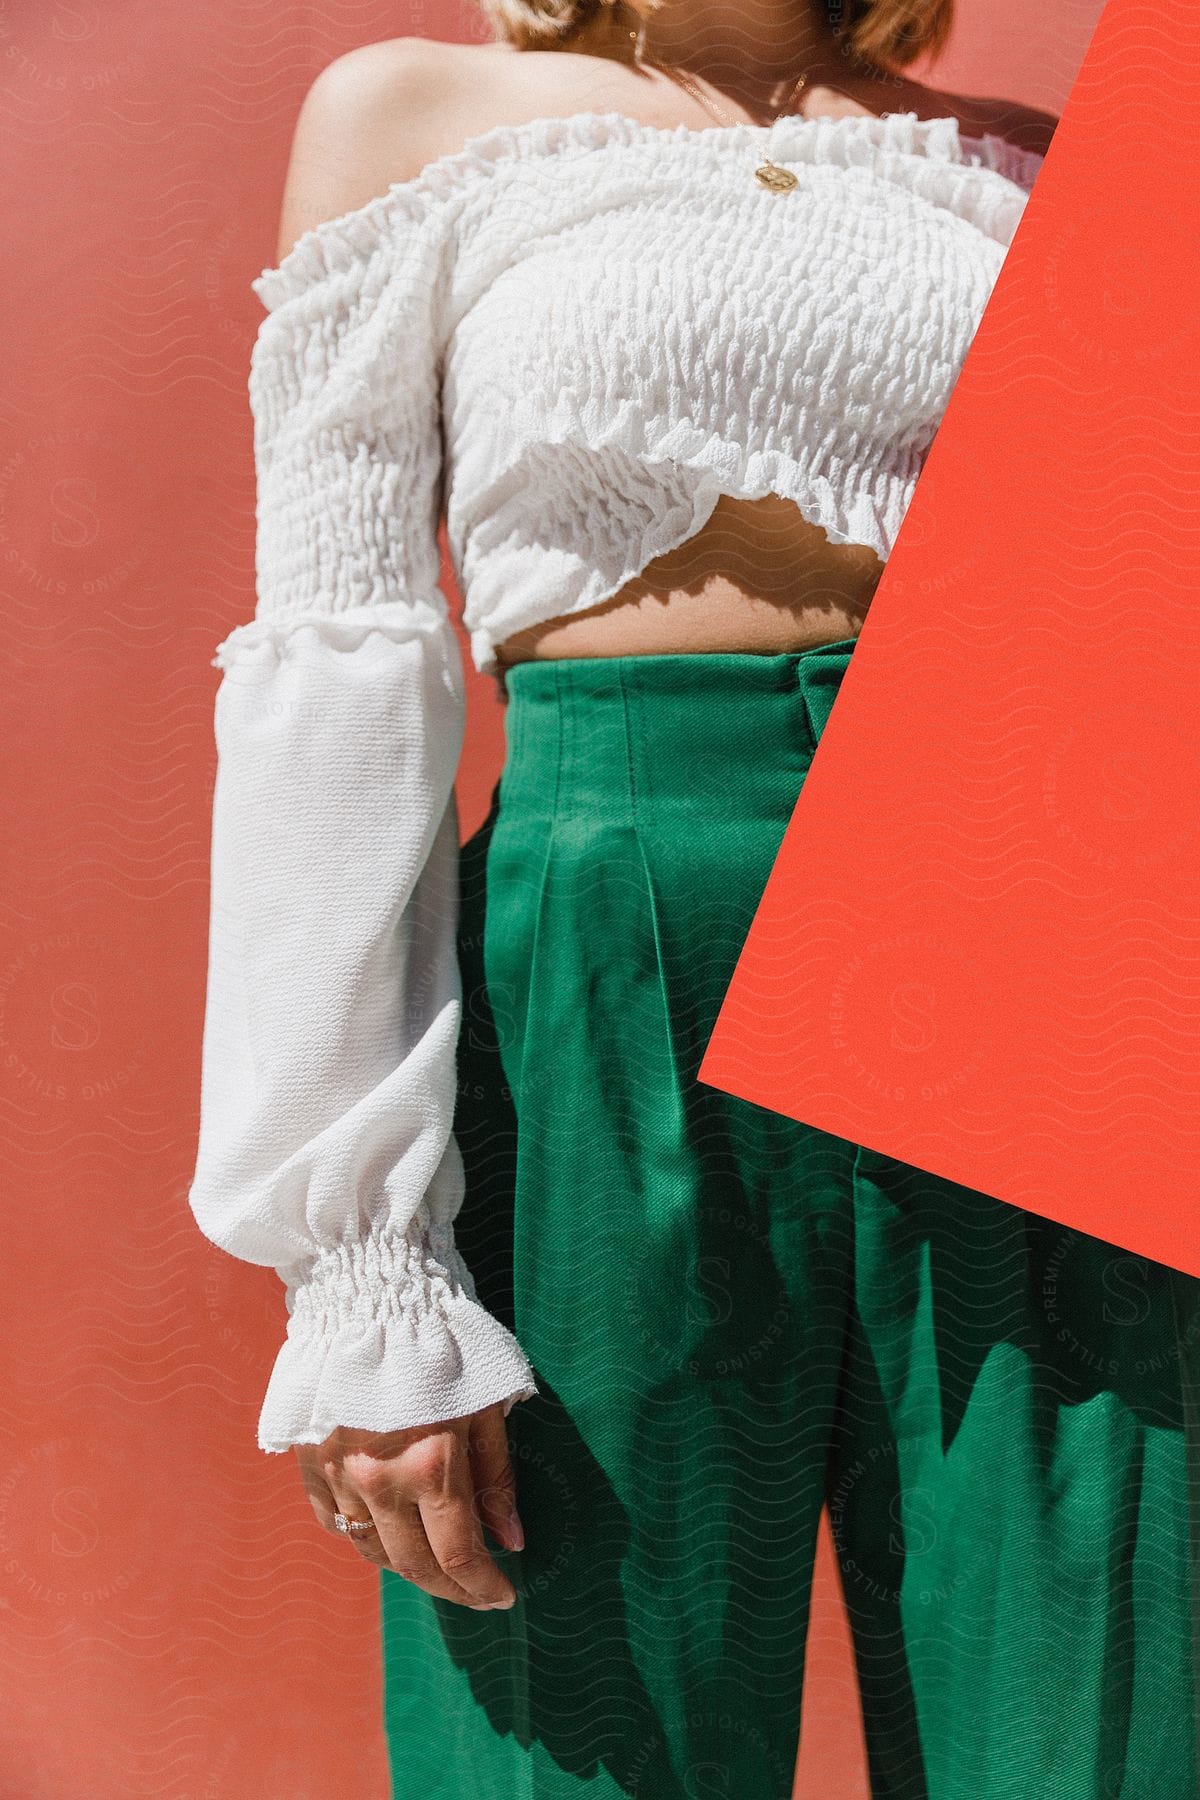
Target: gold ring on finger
(352, 1527)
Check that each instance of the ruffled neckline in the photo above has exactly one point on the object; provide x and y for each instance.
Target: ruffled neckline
(337, 243)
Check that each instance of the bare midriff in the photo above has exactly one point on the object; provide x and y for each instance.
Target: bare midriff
(757, 577)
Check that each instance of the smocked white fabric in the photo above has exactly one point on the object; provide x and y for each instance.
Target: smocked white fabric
(575, 335)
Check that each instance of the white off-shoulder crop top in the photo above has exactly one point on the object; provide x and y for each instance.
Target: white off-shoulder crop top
(573, 335)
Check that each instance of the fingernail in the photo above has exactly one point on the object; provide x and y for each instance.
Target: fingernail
(518, 1536)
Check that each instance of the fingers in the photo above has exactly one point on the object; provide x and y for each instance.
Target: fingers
(493, 1478)
(320, 1494)
(407, 1550)
(445, 1496)
(419, 1490)
(354, 1504)
(399, 1541)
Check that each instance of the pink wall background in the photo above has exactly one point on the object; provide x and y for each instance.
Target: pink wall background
(172, 1623)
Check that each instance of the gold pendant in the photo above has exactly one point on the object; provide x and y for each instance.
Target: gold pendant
(780, 181)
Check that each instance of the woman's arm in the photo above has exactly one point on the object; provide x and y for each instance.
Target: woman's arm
(333, 1008)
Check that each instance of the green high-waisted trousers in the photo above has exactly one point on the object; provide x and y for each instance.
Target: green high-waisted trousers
(735, 1318)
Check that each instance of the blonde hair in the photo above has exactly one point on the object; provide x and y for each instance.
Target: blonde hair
(891, 32)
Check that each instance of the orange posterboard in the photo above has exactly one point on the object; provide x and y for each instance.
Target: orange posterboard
(979, 948)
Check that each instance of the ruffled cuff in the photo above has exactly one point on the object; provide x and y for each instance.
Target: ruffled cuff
(387, 1333)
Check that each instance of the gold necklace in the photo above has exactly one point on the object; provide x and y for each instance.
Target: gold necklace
(769, 174)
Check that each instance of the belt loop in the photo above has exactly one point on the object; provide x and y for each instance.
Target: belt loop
(821, 670)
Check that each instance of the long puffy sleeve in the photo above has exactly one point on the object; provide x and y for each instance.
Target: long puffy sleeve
(328, 1070)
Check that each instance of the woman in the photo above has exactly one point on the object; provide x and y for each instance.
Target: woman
(661, 306)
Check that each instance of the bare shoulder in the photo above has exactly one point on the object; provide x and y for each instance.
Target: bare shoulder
(1024, 126)
(374, 116)
(379, 114)
(1027, 127)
